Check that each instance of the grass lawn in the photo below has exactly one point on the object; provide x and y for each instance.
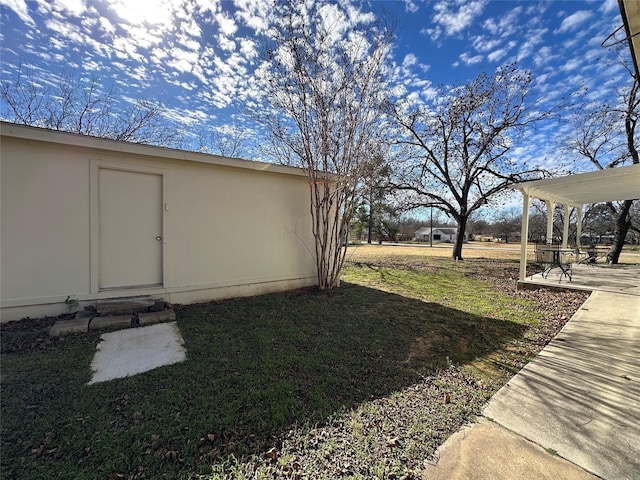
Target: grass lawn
(364, 382)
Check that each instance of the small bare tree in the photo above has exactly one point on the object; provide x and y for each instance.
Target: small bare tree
(323, 82)
(227, 141)
(607, 138)
(457, 148)
(79, 105)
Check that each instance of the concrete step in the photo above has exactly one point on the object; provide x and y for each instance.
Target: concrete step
(62, 327)
(111, 321)
(124, 306)
(156, 317)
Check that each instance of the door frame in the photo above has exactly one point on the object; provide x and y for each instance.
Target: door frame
(94, 242)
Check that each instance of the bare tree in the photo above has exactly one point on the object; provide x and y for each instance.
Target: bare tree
(458, 148)
(323, 81)
(228, 141)
(607, 138)
(507, 223)
(79, 105)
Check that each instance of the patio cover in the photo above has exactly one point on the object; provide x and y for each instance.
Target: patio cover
(612, 184)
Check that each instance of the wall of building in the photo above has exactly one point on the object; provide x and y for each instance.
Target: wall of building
(229, 227)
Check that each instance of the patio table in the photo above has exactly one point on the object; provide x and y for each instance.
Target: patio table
(556, 257)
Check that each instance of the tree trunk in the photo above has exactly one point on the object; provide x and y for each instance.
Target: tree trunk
(370, 219)
(623, 222)
(462, 227)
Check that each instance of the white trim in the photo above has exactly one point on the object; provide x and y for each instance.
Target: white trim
(154, 291)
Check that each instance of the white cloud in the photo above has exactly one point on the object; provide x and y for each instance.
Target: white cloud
(608, 6)
(334, 21)
(505, 25)
(453, 17)
(19, 7)
(544, 56)
(248, 48)
(471, 60)
(150, 12)
(106, 25)
(74, 7)
(484, 44)
(357, 16)
(572, 64)
(573, 21)
(226, 44)
(532, 40)
(496, 55)
(410, 6)
(409, 60)
(227, 25)
(256, 14)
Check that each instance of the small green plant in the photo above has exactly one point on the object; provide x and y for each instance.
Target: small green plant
(71, 303)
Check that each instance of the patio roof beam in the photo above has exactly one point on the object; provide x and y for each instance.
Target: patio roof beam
(608, 185)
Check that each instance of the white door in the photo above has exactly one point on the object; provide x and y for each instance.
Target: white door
(130, 229)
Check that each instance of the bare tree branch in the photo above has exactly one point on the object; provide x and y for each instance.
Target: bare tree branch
(458, 148)
(323, 85)
(79, 105)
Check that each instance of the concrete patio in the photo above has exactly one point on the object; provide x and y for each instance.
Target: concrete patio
(599, 277)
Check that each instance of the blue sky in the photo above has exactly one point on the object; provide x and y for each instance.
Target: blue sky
(197, 56)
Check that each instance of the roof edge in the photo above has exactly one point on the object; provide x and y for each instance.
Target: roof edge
(25, 132)
(629, 38)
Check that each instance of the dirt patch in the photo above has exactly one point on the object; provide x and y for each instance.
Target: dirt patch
(29, 334)
(421, 348)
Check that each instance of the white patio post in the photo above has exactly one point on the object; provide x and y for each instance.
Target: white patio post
(578, 226)
(565, 226)
(550, 207)
(524, 235)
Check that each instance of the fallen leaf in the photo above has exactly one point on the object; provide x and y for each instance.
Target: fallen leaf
(393, 442)
(171, 455)
(272, 453)
(447, 398)
(211, 437)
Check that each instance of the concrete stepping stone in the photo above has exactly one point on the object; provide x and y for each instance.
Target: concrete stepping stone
(156, 317)
(136, 350)
(121, 306)
(111, 321)
(74, 325)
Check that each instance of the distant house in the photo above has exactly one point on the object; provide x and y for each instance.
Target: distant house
(440, 234)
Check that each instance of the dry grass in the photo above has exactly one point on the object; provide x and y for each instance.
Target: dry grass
(471, 250)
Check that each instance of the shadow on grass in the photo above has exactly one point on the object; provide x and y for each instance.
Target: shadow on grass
(255, 368)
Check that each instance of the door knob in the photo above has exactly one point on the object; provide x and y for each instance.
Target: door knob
(158, 238)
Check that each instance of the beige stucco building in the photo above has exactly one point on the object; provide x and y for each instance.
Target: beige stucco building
(93, 218)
